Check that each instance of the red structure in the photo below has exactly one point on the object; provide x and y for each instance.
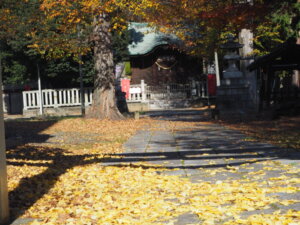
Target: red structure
(125, 87)
(212, 84)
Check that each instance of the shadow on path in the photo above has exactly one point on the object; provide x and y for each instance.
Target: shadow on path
(174, 159)
(31, 189)
(57, 162)
(197, 146)
(26, 131)
(187, 115)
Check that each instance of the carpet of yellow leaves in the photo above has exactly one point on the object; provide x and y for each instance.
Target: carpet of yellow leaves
(110, 195)
(65, 183)
(284, 132)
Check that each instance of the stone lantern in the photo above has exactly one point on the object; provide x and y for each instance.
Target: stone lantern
(233, 93)
(232, 58)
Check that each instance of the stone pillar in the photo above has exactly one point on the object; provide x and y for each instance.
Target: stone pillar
(246, 38)
(296, 74)
(4, 211)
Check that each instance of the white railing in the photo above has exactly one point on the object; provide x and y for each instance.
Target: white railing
(56, 98)
(142, 92)
(137, 92)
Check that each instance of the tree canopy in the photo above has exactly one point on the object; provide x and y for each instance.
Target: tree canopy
(60, 28)
(204, 24)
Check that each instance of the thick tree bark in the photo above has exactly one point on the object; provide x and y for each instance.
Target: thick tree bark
(104, 101)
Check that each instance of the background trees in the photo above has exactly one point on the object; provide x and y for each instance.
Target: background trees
(282, 23)
(204, 24)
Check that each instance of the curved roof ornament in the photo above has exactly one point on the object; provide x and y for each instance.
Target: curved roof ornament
(144, 39)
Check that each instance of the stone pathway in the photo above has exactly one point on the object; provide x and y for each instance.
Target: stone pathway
(201, 152)
(206, 146)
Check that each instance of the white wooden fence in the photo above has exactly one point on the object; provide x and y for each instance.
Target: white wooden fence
(138, 93)
(56, 98)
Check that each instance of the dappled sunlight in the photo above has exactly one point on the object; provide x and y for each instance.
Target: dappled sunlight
(284, 132)
(81, 175)
(35, 165)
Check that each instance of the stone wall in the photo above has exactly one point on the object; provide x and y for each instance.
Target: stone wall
(62, 111)
(137, 107)
(12, 103)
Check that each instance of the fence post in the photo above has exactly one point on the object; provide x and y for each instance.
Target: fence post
(143, 90)
(86, 96)
(193, 88)
(25, 104)
(55, 99)
(91, 96)
(168, 91)
(40, 93)
(203, 89)
(198, 88)
(217, 69)
(4, 210)
(129, 97)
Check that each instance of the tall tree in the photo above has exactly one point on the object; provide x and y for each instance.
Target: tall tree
(69, 28)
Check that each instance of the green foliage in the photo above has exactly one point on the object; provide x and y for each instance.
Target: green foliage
(20, 66)
(18, 19)
(120, 42)
(267, 37)
(16, 66)
(281, 24)
(127, 68)
(284, 73)
(64, 73)
(285, 17)
(17, 73)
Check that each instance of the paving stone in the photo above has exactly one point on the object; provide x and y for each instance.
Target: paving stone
(286, 196)
(23, 221)
(272, 209)
(210, 147)
(292, 162)
(175, 172)
(187, 218)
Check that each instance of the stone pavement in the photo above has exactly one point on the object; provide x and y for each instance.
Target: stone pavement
(206, 146)
(198, 152)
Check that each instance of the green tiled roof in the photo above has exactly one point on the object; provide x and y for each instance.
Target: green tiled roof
(145, 38)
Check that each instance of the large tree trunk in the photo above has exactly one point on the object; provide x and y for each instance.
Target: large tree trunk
(104, 101)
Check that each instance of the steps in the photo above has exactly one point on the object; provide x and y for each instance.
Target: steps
(156, 104)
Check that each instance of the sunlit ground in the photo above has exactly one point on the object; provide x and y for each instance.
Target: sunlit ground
(55, 175)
